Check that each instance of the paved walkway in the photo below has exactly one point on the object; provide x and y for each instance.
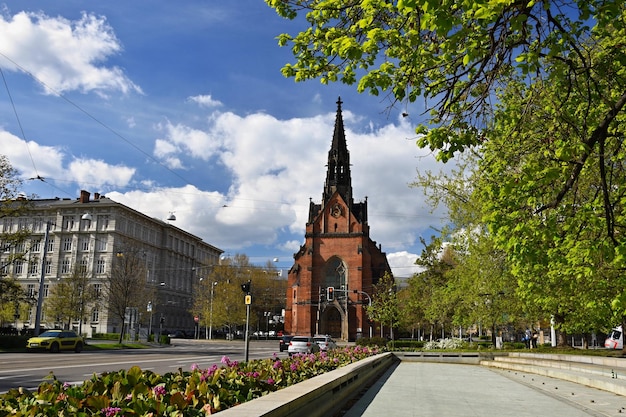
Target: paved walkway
(449, 390)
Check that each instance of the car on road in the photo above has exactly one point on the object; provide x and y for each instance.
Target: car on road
(56, 340)
(325, 342)
(302, 344)
(178, 334)
(283, 342)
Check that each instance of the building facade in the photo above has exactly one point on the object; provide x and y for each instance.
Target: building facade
(337, 254)
(89, 233)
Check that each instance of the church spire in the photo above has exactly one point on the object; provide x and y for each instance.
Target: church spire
(338, 175)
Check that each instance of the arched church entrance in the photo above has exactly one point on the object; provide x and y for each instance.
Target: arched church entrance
(330, 322)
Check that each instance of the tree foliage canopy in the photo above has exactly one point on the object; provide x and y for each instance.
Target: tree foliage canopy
(537, 90)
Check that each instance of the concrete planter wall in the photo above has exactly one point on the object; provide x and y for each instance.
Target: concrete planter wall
(317, 396)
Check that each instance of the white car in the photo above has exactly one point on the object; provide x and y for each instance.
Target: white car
(325, 343)
(302, 344)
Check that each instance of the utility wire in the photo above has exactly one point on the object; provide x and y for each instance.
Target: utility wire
(19, 123)
(95, 119)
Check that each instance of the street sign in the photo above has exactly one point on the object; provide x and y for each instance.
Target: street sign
(248, 300)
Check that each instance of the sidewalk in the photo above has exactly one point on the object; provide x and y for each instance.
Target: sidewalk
(449, 390)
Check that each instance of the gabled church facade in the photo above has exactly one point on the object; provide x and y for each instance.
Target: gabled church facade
(338, 254)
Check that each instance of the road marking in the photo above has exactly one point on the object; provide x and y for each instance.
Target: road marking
(133, 362)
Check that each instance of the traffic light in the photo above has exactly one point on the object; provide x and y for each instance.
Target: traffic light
(162, 320)
(246, 287)
(330, 293)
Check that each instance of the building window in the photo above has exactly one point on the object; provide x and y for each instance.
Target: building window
(33, 267)
(46, 290)
(103, 222)
(48, 266)
(68, 222)
(95, 315)
(19, 267)
(30, 290)
(102, 245)
(100, 266)
(51, 245)
(67, 244)
(84, 262)
(97, 290)
(20, 247)
(36, 246)
(66, 266)
(84, 244)
(37, 225)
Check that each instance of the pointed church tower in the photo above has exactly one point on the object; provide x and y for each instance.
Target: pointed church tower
(338, 254)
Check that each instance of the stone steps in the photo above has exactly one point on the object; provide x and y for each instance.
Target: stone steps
(608, 374)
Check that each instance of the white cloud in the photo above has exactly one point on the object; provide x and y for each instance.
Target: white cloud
(64, 55)
(205, 101)
(276, 167)
(32, 160)
(97, 173)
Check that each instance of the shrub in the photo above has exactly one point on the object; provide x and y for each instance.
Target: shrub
(454, 343)
(408, 344)
(183, 393)
(371, 341)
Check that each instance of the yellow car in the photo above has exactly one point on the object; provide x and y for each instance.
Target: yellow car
(56, 340)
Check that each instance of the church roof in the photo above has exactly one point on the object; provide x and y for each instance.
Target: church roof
(338, 176)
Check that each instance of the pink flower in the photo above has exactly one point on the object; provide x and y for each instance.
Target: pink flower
(225, 360)
(194, 367)
(159, 390)
(277, 364)
(270, 381)
(111, 411)
(293, 367)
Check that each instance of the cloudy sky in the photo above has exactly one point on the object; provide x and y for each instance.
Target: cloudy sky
(181, 107)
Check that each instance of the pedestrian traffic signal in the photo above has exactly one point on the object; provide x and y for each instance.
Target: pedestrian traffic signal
(330, 293)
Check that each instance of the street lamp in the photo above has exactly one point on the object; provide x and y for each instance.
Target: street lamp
(210, 335)
(42, 279)
(149, 310)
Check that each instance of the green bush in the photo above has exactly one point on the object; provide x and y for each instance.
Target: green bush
(13, 342)
(106, 336)
(408, 344)
(372, 341)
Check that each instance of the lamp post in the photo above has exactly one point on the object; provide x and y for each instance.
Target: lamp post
(41, 280)
(210, 335)
(149, 310)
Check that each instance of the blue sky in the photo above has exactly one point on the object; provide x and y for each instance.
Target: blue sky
(181, 107)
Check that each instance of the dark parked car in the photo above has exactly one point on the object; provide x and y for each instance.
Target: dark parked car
(283, 342)
(178, 334)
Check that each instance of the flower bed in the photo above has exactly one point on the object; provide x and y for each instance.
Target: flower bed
(197, 392)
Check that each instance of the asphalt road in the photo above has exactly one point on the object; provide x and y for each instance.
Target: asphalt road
(29, 369)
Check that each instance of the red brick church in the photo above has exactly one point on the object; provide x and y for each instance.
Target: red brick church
(337, 254)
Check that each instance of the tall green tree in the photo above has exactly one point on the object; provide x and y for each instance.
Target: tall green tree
(226, 306)
(537, 89)
(72, 298)
(384, 308)
(126, 286)
(13, 240)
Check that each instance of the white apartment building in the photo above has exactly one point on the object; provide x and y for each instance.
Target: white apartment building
(90, 233)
